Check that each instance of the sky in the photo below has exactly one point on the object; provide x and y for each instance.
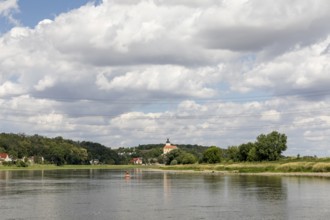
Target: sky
(129, 72)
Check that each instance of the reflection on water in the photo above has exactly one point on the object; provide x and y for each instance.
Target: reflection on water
(107, 194)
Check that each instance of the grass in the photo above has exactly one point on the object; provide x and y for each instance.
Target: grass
(54, 167)
(282, 166)
(259, 167)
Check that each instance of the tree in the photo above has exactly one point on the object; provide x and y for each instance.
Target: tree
(270, 146)
(233, 153)
(172, 155)
(56, 155)
(188, 158)
(179, 156)
(103, 154)
(244, 151)
(252, 154)
(212, 155)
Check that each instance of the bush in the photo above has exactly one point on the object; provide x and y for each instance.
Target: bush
(174, 162)
(21, 163)
(296, 167)
(5, 163)
(321, 167)
(212, 155)
(188, 158)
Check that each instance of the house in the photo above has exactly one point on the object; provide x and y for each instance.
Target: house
(94, 162)
(34, 159)
(4, 157)
(137, 160)
(168, 147)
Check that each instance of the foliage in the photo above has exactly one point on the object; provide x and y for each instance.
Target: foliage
(187, 158)
(153, 153)
(174, 162)
(21, 163)
(269, 147)
(60, 151)
(103, 154)
(212, 155)
(233, 154)
(179, 156)
(56, 150)
(7, 163)
(244, 150)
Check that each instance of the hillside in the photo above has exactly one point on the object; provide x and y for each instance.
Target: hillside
(55, 150)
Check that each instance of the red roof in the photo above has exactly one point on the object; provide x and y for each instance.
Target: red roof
(170, 146)
(3, 155)
(136, 159)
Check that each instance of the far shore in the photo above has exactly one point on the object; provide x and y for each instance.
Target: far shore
(212, 172)
(260, 169)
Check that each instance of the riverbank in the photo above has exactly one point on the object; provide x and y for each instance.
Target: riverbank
(67, 167)
(258, 167)
(226, 173)
(280, 168)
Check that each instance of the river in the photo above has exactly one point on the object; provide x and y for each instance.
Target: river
(107, 194)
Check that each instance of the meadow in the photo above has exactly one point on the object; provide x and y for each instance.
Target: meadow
(317, 165)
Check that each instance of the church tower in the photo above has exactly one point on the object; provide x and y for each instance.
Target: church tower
(168, 147)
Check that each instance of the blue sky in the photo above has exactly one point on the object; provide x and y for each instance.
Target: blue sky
(31, 12)
(129, 72)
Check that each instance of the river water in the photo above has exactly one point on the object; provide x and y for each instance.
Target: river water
(107, 194)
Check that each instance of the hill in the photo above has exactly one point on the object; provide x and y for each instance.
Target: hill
(55, 150)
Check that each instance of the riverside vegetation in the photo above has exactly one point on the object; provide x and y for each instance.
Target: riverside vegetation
(263, 155)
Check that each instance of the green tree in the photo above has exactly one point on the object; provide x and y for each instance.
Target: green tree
(56, 155)
(244, 150)
(212, 155)
(173, 155)
(252, 154)
(233, 153)
(188, 158)
(270, 146)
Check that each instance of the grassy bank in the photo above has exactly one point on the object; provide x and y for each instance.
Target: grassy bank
(257, 167)
(54, 167)
(316, 166)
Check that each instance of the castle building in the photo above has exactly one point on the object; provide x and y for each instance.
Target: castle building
(168, 147)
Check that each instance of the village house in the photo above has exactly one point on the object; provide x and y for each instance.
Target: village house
(168, 147)
(94, 162)
(4, 157)
(33, 160)
(137, 160)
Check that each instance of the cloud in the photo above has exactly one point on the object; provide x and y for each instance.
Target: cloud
(299, 72)
(8, 8)
(44, 83)
(270, 115)
(9, 88)
(254, 25)
(170, 80)
(207, 72)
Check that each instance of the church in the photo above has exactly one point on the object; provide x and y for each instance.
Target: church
(168, 147)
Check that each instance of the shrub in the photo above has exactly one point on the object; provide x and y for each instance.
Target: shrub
(174, 162)
(9, 163)
(291, 167)
(321, 167)
(21, 163)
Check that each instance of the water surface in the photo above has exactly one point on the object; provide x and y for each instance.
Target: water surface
(107, 194)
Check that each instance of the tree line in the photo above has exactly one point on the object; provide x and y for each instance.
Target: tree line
(60, 151)
(56, 150)
(267, 147)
